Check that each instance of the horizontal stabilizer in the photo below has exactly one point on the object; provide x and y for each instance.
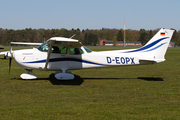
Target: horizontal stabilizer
(150, 61)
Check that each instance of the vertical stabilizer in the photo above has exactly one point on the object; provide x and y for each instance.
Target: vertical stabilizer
(155, 49)
(157, 46)
(166, 35)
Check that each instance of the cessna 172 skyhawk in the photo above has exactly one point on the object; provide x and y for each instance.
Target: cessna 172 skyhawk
(62, 54)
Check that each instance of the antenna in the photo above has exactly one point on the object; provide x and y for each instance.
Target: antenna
(72, 36)
(124, 35)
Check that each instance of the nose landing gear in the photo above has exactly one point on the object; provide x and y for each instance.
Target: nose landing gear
(28, 75)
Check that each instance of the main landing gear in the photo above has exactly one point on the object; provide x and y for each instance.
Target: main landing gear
(64, 75)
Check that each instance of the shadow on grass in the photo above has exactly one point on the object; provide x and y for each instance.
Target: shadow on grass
(143, 78)
(151, 78)
(76, 81)
(4, 58)
(106, 78)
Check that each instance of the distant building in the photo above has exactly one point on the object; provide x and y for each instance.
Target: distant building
(120, 43)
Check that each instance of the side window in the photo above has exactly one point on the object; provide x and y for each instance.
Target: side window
(59, 49)
(75, 51)
(63, 50)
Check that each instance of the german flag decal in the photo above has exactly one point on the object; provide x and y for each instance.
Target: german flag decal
(162, 34)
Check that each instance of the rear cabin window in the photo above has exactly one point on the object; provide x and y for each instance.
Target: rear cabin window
(75, 51)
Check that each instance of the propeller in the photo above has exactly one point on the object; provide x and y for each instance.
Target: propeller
(10, 59)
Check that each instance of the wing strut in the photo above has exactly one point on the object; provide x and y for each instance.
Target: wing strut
(49, 53)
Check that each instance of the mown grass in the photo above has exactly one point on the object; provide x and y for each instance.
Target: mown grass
(134, 92)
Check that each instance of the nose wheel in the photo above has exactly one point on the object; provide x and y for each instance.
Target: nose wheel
(28, 75)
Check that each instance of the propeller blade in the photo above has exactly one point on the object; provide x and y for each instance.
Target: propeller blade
(10, 59)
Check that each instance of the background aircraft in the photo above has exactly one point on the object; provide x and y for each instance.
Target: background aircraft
(61, 54)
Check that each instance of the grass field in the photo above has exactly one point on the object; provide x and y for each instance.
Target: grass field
(134, 92)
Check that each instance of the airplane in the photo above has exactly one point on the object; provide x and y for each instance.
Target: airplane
(61, 54)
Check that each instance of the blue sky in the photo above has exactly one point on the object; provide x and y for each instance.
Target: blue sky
(91, 14)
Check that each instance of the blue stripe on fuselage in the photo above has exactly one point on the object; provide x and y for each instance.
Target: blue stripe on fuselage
(67, 59)
(155, 47)
(148, 46)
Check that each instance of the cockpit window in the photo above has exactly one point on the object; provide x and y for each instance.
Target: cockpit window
(75, 51)
(87, 50)
(43, 47)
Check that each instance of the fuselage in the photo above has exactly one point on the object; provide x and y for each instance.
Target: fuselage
(60, 53)
(36, 59)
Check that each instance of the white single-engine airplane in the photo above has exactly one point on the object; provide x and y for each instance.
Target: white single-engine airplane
(62, 54)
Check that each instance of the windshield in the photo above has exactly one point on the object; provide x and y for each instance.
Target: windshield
(43, 47)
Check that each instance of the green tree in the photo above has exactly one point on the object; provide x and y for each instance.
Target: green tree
(120, 36)
(64, 32)
(92, 38)
(86, 39)
(107, 34)
(174, 37)
(150, 34)
(143, 36)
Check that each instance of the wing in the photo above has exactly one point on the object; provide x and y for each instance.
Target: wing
(3, 53)
(6, 54)
(17, 43)
(61, 41)
(65, 42)
(23, 43)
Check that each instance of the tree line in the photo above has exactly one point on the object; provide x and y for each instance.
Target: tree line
(86, 37)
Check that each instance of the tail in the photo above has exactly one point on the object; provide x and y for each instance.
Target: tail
(154, 50)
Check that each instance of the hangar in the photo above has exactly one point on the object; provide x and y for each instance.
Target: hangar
(120, 43)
